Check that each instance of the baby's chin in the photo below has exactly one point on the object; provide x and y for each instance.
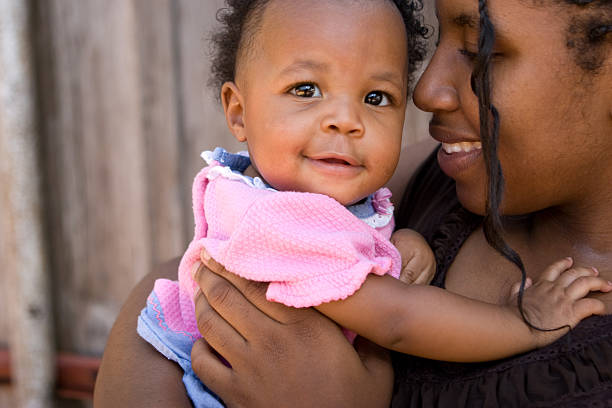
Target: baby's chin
(343, 198)
(354, 201)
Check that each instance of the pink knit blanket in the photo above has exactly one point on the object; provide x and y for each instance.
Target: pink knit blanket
(309, 247)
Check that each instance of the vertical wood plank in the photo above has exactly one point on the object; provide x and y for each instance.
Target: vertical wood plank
(202, 121)
(6, 391)
(23, 247)
(158, 100)
(94, 151)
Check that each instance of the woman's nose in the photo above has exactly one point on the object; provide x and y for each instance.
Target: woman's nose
(343, 117)
(435, 91)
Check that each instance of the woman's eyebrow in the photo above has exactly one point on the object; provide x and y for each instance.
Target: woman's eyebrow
(466, 20)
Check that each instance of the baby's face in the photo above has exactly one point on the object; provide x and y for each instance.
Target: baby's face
(324, 94)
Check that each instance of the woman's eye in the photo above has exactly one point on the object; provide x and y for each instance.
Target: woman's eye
(473, 55)
(468, 54)
(377, 98)
(306, 91)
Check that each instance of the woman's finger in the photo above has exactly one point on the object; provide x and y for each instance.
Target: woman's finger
(254, 292)
(582, 286)
(216, 330)
(553, 271)
(210, 262)
(209, 368)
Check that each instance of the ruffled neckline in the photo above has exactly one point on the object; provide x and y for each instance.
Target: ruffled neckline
(376, 210)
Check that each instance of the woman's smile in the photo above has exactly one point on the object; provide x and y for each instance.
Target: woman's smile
(458, 151)
(458, 161)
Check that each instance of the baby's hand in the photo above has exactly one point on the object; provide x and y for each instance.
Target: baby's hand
(559, 299)
(418, 261)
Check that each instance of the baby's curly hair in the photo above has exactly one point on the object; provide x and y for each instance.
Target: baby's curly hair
(240, 18)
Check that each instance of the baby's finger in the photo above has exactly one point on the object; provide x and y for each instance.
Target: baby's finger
(553, 271)
(410, 272)
(426, 276)
(517, 286)
(588, 306)
(586, 284)
(569, 276)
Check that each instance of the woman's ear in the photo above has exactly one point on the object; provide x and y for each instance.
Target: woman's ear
(233, 106)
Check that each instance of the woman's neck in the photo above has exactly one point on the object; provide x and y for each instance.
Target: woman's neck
(583, 233)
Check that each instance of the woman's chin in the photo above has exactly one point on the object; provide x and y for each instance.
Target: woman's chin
(471, 200)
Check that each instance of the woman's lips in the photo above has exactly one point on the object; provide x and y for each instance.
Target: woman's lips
(459, 149)
(455, 158)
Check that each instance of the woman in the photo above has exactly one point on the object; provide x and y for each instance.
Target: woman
(549, 69)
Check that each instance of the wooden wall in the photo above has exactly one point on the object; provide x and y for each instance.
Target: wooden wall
(124, 113)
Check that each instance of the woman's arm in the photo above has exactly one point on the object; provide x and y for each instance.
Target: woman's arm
(133, 373)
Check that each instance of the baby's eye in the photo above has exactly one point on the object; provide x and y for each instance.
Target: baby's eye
(306, 91)
(377, 98)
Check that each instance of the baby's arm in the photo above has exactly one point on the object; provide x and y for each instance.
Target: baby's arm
(434, 323)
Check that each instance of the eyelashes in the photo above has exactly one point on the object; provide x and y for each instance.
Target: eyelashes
(377, 98)
(309, 90)
(306, 90)
(470, 55)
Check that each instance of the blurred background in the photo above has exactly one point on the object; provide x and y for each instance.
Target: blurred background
(104, 110)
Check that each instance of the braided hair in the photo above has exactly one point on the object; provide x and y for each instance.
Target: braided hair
(585, 36)
(240, 20)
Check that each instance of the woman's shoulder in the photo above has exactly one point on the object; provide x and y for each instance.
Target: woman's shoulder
(575, 371)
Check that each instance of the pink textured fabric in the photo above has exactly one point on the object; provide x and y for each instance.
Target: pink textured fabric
(308, 246)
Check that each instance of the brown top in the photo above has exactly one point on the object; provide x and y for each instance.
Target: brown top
(575, 371)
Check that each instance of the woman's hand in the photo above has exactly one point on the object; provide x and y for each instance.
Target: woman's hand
(279, 356)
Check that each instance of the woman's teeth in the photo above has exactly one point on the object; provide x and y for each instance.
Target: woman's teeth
(461, 147)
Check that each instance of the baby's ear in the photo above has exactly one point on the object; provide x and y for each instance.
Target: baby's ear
(233, 106)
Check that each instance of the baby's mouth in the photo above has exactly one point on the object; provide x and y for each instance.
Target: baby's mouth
(332, 160)
(335, 164)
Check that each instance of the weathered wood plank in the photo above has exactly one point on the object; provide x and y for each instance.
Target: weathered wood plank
(159, 107)
(95, 164)
(24, 251)
(202, 121)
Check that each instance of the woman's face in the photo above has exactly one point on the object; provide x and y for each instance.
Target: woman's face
(555, 138)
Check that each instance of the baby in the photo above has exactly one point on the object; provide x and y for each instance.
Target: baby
(317, 89)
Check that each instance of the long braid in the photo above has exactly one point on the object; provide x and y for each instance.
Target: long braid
(489, 134)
